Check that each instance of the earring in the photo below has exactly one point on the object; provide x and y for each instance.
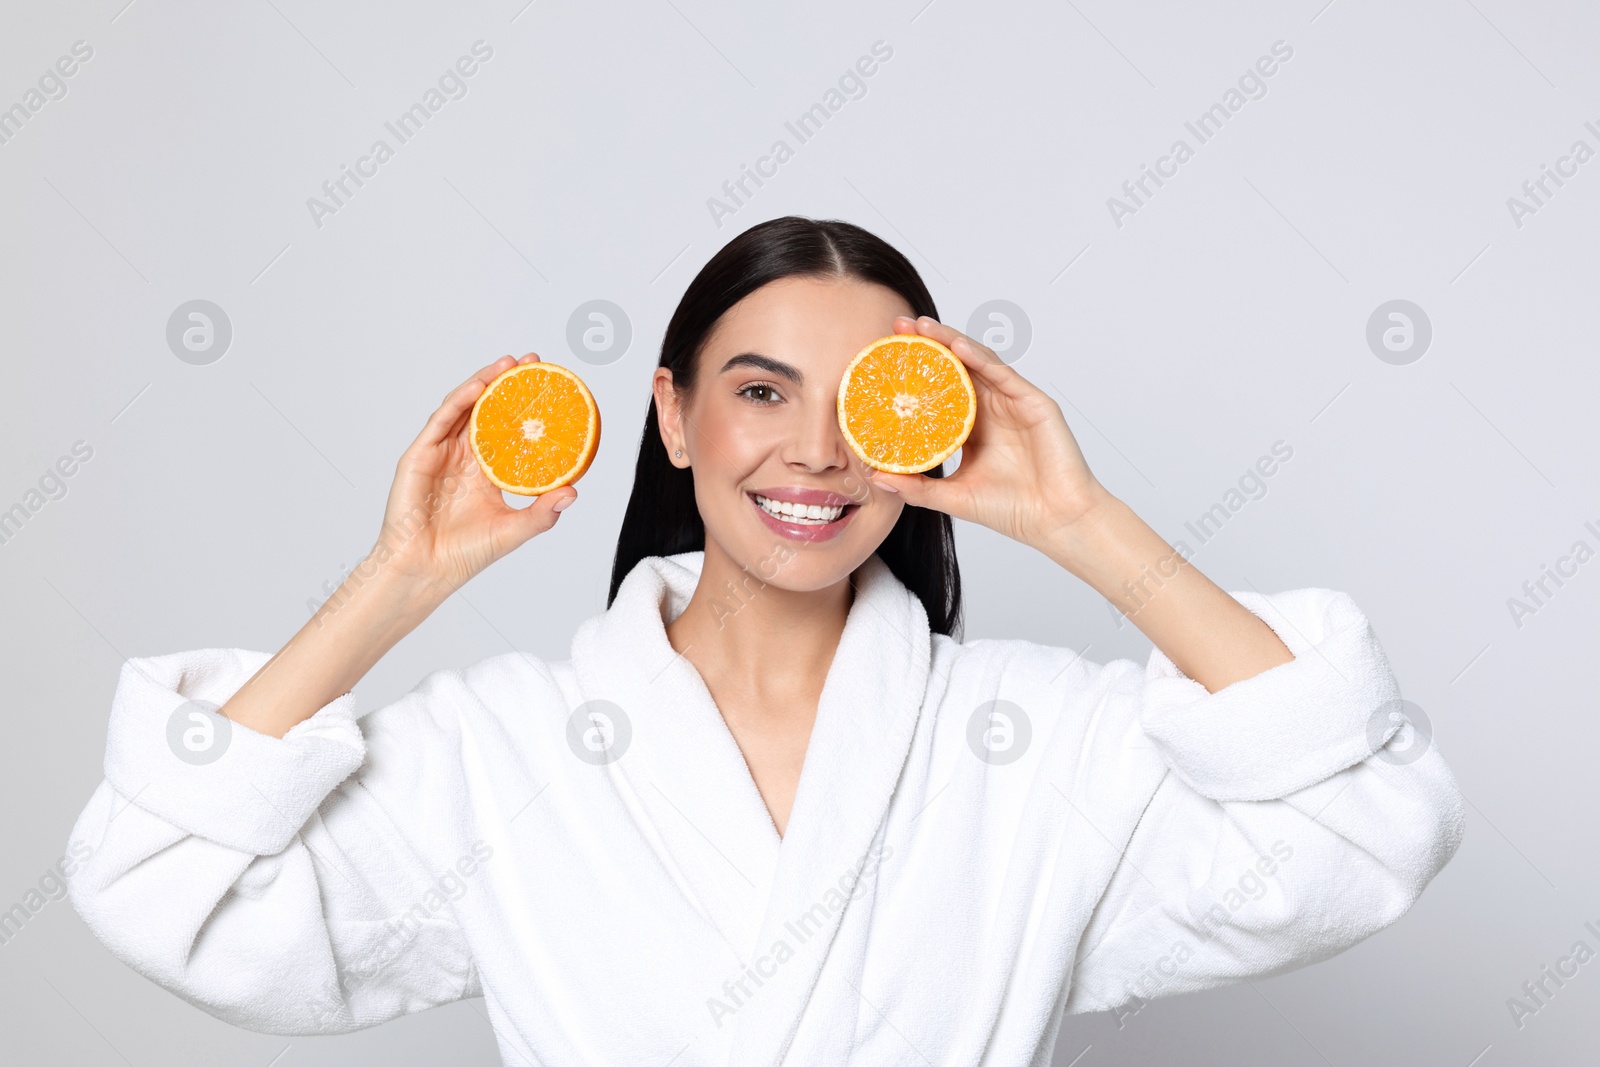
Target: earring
(678, 452)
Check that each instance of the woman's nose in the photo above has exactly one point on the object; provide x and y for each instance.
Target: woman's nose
(817, 443)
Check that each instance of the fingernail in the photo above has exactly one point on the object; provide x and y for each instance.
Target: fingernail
(887, 487)
(562, 503)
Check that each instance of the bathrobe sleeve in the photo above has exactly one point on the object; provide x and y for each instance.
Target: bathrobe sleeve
(266, 885)
(1298, 814)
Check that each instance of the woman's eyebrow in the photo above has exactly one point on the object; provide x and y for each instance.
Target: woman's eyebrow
(766, 363)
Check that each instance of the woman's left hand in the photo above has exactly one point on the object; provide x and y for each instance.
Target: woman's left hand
(1022, 473)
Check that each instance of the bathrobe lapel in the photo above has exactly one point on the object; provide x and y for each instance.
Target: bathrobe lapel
(681, 773)
(865, 721)
(685, 768)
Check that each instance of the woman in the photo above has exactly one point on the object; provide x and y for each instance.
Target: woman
(771, 809)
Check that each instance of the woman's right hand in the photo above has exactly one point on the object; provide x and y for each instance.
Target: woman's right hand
(445, 521)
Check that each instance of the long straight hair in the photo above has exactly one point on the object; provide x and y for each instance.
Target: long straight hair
(662, 517)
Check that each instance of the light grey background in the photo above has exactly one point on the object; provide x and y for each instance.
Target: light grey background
(1228, 313)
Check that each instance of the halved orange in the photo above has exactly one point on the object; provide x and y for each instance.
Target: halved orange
(906, 403)
(535, 428)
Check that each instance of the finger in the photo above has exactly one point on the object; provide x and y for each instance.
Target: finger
(445, 422)
(979, 359)
(531, 357)
(539, 516)
(928, 326)
(917, 489)
(949, 336)
(972, 354)
(455, 430)
(487, 374)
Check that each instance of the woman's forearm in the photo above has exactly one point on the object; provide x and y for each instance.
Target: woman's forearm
(443, 523)
(1206, 633)
(359, 624)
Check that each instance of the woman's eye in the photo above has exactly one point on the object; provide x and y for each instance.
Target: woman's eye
(768, 393)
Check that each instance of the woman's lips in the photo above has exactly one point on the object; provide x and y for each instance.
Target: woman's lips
(797, 531)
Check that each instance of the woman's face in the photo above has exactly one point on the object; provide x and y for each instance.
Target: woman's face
(763, 424)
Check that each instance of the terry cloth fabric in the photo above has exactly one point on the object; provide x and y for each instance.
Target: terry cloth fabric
(985, 835)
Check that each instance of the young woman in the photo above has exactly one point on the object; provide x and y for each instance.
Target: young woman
(772, 809)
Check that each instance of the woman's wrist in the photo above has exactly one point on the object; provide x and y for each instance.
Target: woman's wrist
(376, 606)
(1094, 530)
(387, 582)
(1114, 551)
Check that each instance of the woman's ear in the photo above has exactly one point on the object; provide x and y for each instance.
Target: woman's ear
(668, 417)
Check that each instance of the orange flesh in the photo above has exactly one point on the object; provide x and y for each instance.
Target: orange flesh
(906, 404)
(535, 428)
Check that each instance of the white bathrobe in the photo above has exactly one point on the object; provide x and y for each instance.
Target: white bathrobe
(985, 836)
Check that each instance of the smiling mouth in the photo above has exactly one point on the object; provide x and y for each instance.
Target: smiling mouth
(802, 514)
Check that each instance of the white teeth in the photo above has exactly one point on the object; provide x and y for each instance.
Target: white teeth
(802, 513)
